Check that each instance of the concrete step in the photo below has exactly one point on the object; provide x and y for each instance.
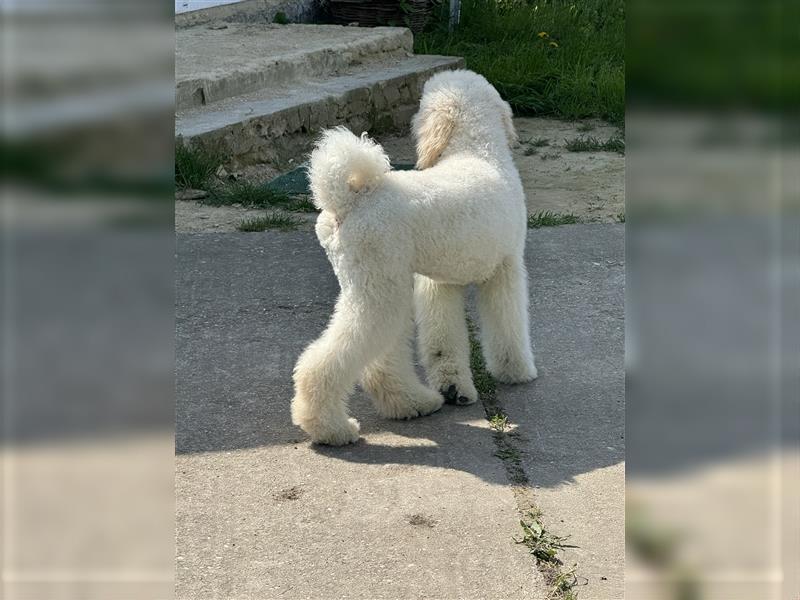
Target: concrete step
(223, 60)
(280, 123)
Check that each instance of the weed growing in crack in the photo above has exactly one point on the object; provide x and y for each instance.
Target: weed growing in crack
(543, 545)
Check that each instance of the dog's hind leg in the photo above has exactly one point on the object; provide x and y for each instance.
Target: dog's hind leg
(393, 385)
(363, 321)
(443, 339)
(503, 311)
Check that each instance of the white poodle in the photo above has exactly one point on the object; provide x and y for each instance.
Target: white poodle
(405, 240)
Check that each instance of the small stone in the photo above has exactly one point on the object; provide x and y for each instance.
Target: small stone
(221, 172)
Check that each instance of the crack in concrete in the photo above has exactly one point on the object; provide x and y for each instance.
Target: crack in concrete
(508, 450)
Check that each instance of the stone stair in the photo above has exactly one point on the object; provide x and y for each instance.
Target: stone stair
(260, 93)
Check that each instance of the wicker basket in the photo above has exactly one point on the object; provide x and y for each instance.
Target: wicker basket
(376, 13)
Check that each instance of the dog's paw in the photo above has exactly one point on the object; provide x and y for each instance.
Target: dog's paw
(328, 431)
(427, 402)
(454, 395)
(335, 434)
(515, 373)
(423, 402)
(454, 382)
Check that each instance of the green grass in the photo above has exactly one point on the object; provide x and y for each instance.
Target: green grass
(546, 218)
(249, 195)
(592, 144)
(510, 454)
(546, 57)
(195, 167)
(481, 378)
(498, 422)
(272, 220)
(302, 204)
(532, 145)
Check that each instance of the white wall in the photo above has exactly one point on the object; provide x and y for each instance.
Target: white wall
(187, 5)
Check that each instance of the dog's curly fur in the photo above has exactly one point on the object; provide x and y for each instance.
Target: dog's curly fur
(405, 242)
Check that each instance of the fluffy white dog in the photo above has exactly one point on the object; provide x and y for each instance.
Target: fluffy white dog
(405, 240)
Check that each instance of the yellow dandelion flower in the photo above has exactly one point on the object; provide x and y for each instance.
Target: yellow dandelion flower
(543, 34)
(553, 44)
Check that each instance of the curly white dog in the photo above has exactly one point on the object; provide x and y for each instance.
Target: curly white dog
(400, 240)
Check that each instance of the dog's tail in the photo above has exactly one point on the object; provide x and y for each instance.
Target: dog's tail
(344, 168)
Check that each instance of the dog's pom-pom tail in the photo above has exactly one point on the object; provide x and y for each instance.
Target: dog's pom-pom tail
(343, 168)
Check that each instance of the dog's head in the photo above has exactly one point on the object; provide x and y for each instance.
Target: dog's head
(459, 104)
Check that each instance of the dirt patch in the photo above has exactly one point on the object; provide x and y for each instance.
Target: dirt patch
(590, 185)
(420, 520)
(289, 494)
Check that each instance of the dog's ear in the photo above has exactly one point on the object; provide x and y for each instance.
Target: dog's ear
(433, 126)
(508, 124)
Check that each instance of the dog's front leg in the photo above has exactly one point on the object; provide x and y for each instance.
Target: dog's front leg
(443, 339)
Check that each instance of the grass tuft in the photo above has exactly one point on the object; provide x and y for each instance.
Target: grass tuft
(498, 422)
(532, 146)
(620, 217)
(592, 144)
(272, 220)
(195, 167)
(249, 195)
(302, 204)
(546, 218)
(585, 127)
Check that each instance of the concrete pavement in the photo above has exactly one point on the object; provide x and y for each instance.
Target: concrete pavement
(572, 419)
(418, 509)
